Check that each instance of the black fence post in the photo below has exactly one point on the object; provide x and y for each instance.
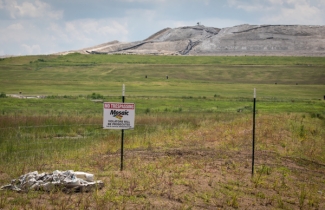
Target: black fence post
(122, 134)
(253, 150)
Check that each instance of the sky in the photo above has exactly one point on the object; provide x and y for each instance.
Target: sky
(32, 27)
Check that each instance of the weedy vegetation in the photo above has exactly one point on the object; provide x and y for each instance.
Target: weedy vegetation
(192, 143)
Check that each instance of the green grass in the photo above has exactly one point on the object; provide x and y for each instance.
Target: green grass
(89, 60)
(188, 76)
(82, 106)
(200, 83)
(191, 146)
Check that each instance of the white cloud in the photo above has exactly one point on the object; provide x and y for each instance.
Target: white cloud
(143, 1)
(248, 6)
(206, 2)
(145, 14)
(15, 27)
(13, 33)
(102, 27)
(298, 14)
(88, 32)
(31, 50)
(276, 2)
(30, 26)
(284, 11)
(28, 9)
(96, 28)
(321, 3)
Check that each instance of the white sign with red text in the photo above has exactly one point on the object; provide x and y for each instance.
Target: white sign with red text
(118, 115)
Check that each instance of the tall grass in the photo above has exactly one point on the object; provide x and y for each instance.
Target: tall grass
(199, 160)
(24, 136)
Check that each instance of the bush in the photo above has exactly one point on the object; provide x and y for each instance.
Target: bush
(317, 115)
(147, 111)
(3, 95)
(96, 96)
(53, 96)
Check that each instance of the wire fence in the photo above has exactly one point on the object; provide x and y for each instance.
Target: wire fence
(288, 134)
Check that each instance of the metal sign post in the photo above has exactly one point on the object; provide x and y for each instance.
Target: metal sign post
(253, 155)
(119, 116)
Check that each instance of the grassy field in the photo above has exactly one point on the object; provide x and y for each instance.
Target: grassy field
(205, 76)
(192, 143)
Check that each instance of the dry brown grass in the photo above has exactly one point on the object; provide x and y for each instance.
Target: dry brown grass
(193, 163)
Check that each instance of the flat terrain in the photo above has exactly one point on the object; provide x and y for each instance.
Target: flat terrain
(192, 143)
(195, 76)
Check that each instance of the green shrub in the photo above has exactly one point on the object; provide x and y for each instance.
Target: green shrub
(147, 110)
(3, 95)
(317, 115)
(96, 96)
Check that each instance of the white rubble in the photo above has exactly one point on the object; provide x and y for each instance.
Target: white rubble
(64, 180)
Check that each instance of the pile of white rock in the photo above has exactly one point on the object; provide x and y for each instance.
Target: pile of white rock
(68, 181)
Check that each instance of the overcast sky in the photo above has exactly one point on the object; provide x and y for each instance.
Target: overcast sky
(49, 26)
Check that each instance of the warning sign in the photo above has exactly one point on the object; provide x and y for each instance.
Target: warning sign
(118, 115)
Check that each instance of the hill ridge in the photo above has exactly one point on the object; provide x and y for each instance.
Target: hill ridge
(272, 40)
